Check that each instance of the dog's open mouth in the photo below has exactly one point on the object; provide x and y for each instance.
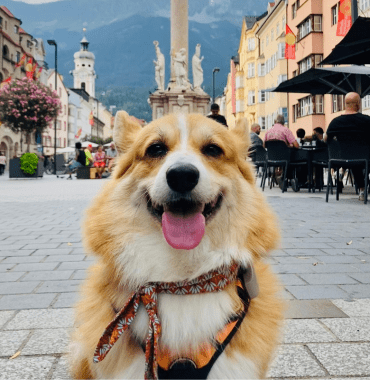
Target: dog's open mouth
(183, 220)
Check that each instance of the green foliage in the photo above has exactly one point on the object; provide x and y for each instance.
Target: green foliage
(29, 163)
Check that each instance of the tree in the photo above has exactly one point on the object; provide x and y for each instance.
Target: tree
(28, 106)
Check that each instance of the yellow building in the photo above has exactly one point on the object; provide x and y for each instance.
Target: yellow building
(272, 65)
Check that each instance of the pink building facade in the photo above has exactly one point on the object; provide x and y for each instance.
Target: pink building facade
(314, 22)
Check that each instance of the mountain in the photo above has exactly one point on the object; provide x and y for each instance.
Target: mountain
(125, 52)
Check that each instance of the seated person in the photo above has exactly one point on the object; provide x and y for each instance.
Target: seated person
(280, 132)
(79, 160)
(301, 133)
(111, 155)
(99, 161)
(254, 135)
(215, 109)
(317, 137)
(352, 122)
(89, 158)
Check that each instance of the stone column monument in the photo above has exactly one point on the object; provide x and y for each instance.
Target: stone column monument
(179, 95)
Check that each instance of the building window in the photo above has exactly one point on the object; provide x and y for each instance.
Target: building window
(60, 92)
(337, 103)
(334, 14)
(59, 142)
(239, 81)
(262, 122)
(308, 62)
(59, 125)
(251, 70)
(262, 46)
(262, 96)
(306, 106)
(284, 111)
(262, 69)
(283, 22)
(239, 106)
(18, 56)
(65, 110)
(251, 44)
(294, 10)
(364, 4)
(282, 78)
(319, 104)
(79, 115)
(65, 143)
(6, 25)
(251, 98)
(29, 44)
(317, 23)
(267, 41)
(278, 29)
(281, 50)
(366, 102)
(1, 21)
(65, 125)
(83, 85)
(16, 29)
(272, 34)
(310, 24)
(5, 52)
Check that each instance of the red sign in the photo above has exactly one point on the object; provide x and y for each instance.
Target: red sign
(21, 61)
(344, 17)
(29, 68)
(91, 118)
(78, 133)
(290, 40)
(233, 86)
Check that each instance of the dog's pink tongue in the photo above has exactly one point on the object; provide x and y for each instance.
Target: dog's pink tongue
(183, 233)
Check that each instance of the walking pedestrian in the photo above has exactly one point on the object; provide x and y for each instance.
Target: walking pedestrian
(2, 162)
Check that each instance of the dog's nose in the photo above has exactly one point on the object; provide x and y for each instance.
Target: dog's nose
(182, 178)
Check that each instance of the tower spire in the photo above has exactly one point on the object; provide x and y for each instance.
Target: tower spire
(84, 41)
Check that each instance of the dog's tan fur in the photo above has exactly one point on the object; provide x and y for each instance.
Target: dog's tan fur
(118, 215)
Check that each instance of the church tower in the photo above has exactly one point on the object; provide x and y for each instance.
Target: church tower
(84, 73)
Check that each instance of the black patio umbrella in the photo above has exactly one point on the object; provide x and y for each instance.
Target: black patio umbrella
(354, 49)
(334, 80)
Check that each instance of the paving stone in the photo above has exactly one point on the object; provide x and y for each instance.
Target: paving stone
(60, 286)
(13, 252)
(80, 275)
(342, 259)
(303, 252)
(304, 309)
(11, 276)
(350, 329)
(295, 260)
(5, 316)
(12, 247)
(354, 308)
(294, 361)
(357, 291)
(23, 259)
(48, 275)
(362, 277)
(10, 341)
(48, 252)
(327, 279)
(29, 301)
(6, 267)
(336, 268)
(291, 279)
(17, 287)
(61, 370)
(29, 267)
(74, 265)
(78, 251)
(42, 319)
(47, 342)
(64, 258)
(66, 300)
(351, 252)
(310, 292)
(343, 359)
(42, 246)
(23, 368)
(310, 245)
(306, 331)
(295, 269)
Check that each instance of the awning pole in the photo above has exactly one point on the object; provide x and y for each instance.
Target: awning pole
(354, 8)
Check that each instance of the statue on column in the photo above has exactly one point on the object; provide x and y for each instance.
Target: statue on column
(197, 69)
(180, 68)
(159, 67)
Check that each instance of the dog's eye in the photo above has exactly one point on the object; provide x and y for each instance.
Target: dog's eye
(156, 150)
(212, 150)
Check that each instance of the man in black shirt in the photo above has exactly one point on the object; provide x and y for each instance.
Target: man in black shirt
(215, 109)
(353, 122)
(79, 161)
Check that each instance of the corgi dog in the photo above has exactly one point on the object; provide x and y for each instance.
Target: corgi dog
(180, 233)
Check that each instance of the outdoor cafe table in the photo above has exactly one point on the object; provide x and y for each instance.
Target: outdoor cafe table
(309, 153)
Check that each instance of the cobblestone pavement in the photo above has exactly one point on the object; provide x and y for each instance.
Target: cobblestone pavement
(324, 263)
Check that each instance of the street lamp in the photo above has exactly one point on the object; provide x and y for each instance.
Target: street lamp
(215, 70)
(53, 43)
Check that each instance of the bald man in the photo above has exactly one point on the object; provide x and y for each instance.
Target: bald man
(255, 131)
(353, 122)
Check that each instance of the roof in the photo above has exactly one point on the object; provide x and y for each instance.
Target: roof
(235, 58)
(251, 20)
(10, 14)
(82, 93)
(268, 14)
(22, 31)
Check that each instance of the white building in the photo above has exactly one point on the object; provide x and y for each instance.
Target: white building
(84, 73)
(62, 119)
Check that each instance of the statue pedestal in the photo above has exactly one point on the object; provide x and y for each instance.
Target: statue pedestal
(176, 100)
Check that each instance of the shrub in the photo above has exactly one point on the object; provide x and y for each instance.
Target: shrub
(29, 163)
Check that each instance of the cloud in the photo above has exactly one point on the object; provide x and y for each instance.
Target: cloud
(37, 1)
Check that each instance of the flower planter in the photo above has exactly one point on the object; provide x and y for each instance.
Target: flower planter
(16, 172)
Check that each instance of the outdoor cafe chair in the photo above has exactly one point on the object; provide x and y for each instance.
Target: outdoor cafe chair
(348, 151)
(257, 153)
(278, 155)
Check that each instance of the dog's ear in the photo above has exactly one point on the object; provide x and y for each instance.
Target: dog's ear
(241, 132)
(125, 131)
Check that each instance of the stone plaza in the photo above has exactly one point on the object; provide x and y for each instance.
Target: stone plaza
(323, 262)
